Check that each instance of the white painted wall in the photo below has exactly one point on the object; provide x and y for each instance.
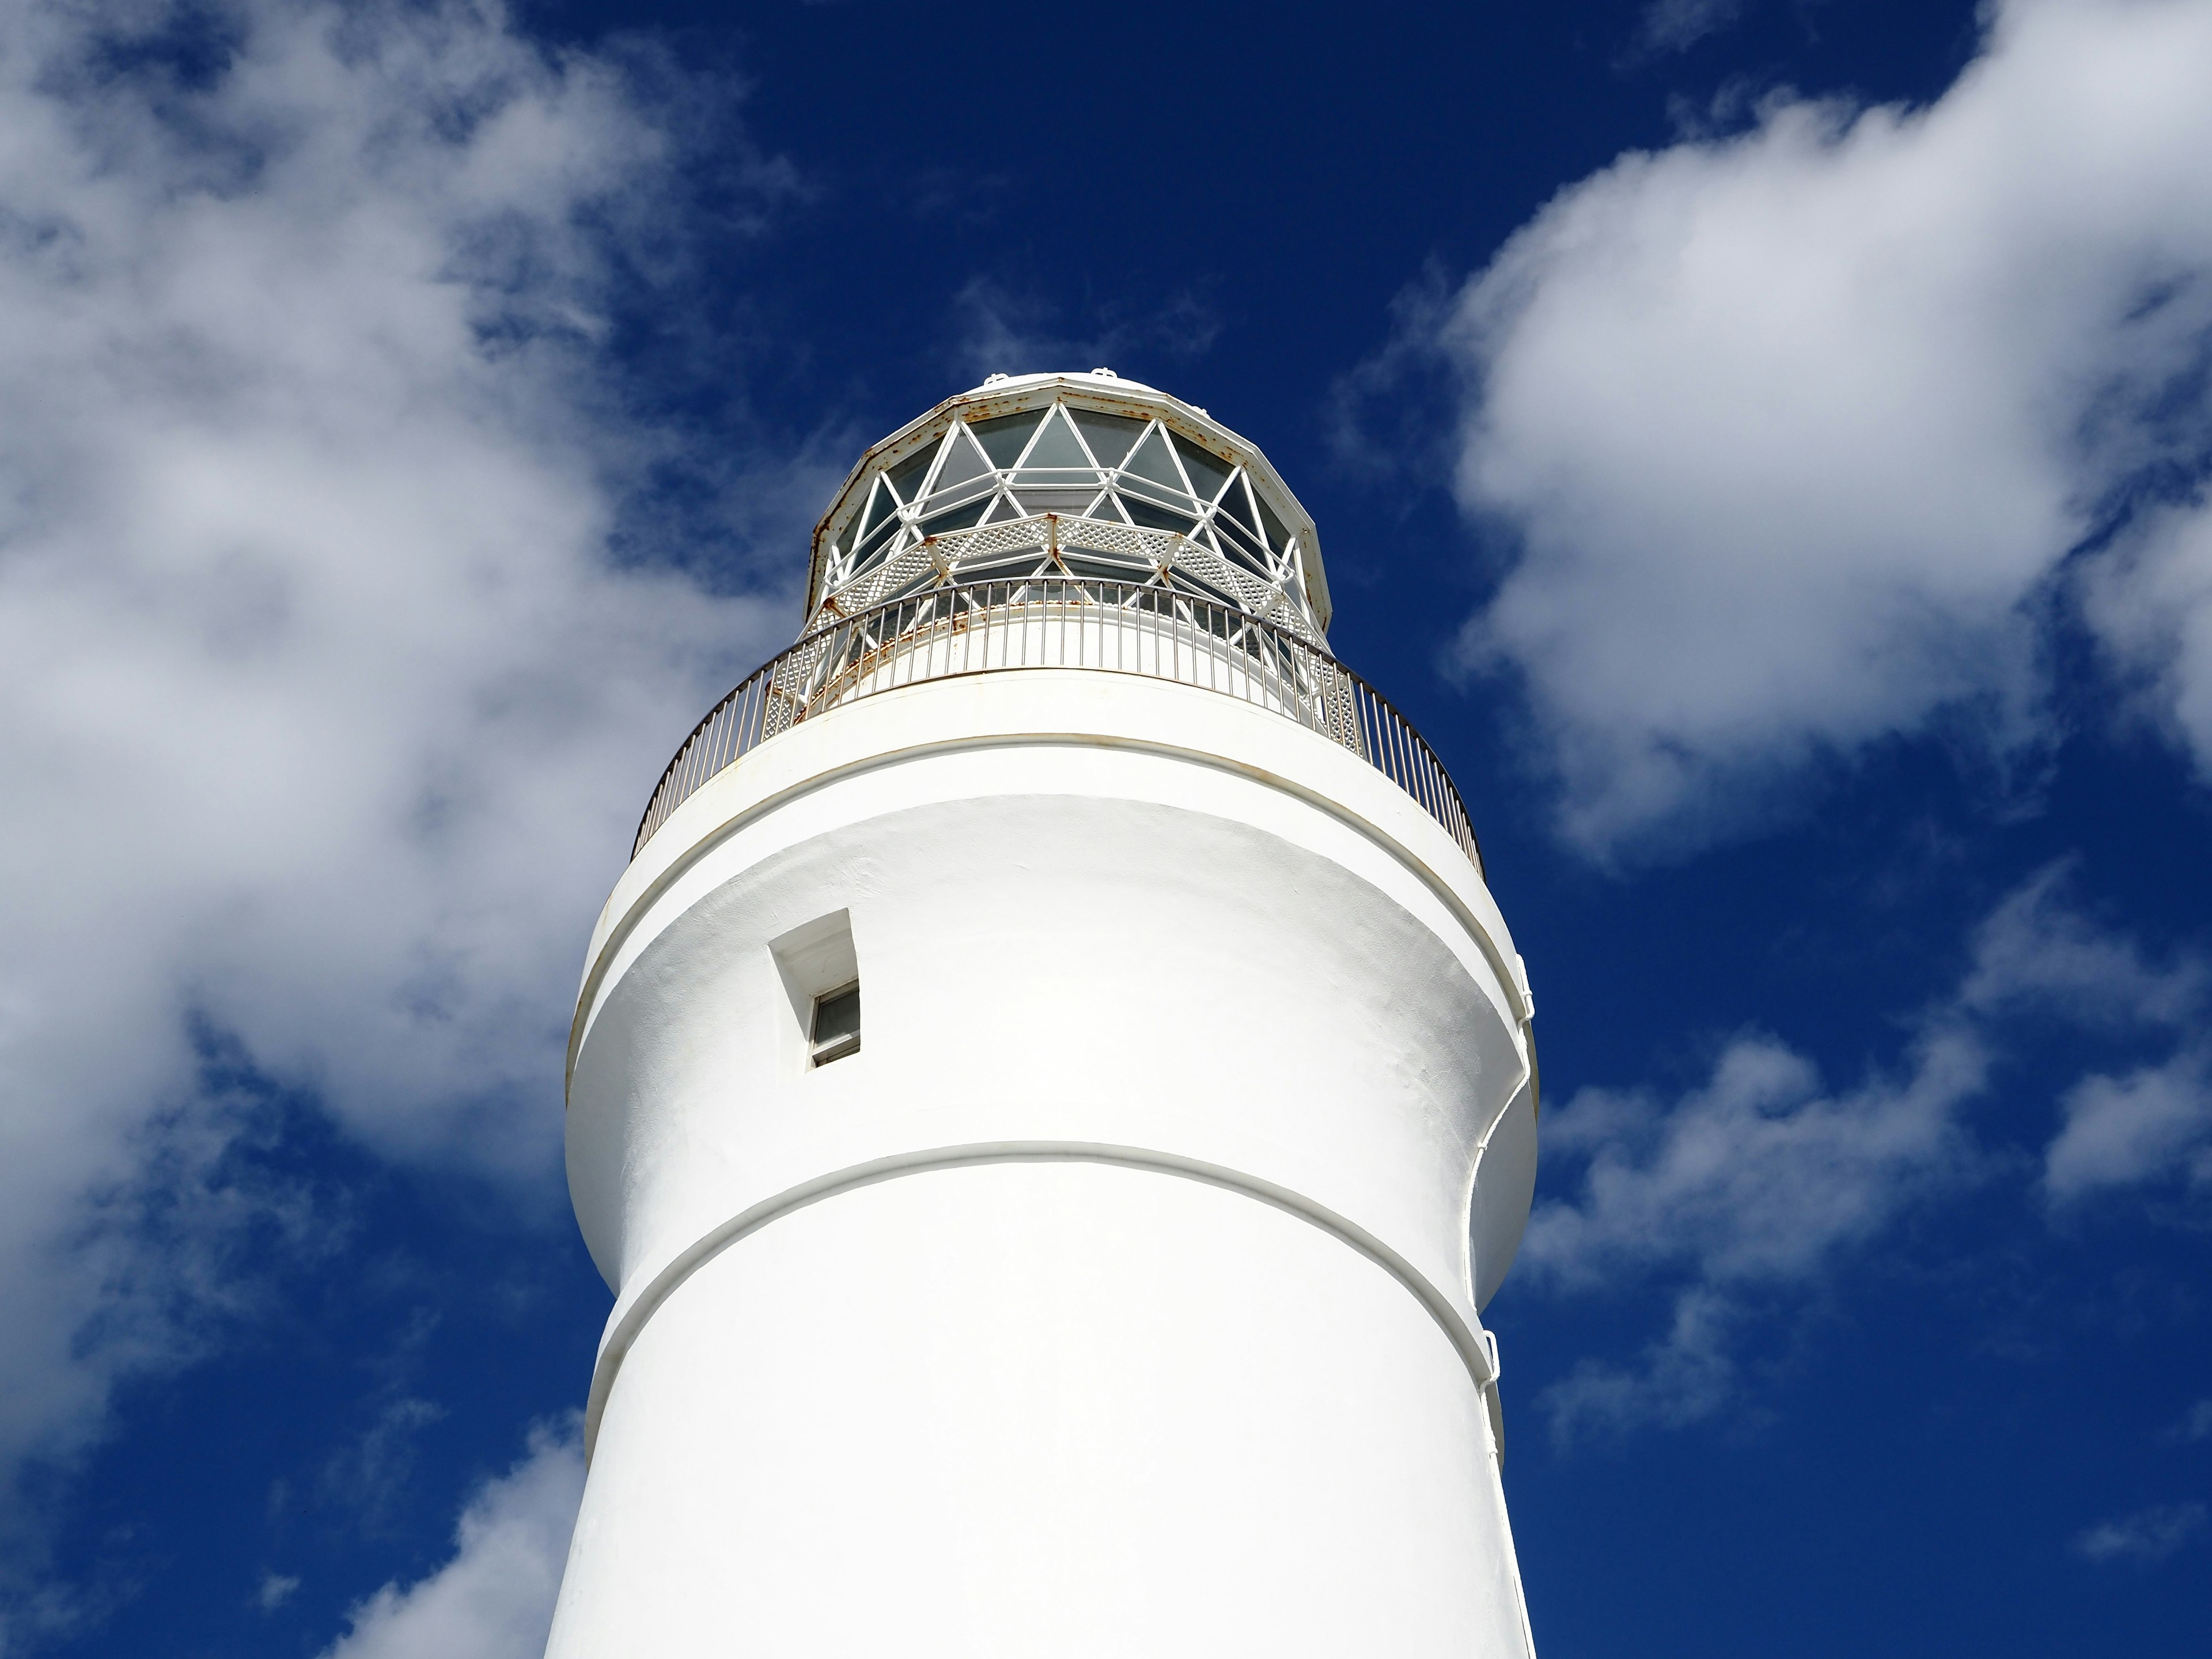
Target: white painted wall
(1118, 1296)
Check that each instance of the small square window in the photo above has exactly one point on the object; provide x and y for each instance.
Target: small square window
(836, 1030)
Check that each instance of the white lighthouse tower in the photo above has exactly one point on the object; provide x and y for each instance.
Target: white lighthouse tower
(1052, 1094)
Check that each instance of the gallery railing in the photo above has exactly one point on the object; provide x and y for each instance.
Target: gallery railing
(1063, 621)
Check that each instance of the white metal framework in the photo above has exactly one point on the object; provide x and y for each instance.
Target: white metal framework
(1069, 475)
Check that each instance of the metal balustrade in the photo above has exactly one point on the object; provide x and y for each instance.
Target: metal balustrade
(1063, 621)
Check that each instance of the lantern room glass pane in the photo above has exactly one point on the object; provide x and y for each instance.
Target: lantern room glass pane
(1156, 518)
(1110, 436)
(960, 517)
(963, 461)
(1150, 459)
(1002, 439)
(906, 476)
(1055, 445)
(879, 506)
(1208, 472)
(1237, 503)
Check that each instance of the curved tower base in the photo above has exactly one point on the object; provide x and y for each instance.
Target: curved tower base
(1066, 1408)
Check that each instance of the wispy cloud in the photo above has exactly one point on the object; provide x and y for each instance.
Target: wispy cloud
(276, 1588)
(1750, 1190)
(1756, 1181)
(1677, 25)
(1004, 332)
(2146, 1537)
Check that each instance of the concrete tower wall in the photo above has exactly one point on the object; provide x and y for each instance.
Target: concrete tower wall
(1120, 1294)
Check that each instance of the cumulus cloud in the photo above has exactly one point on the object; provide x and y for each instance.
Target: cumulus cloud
(2146, 1537)
(1748, 1190)
(1790, 435)
(325, 711)
(2142, 1125)
(2038, 953)
(494, 1599)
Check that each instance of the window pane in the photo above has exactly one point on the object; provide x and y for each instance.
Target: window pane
(879, 506)
(1233, 534)
(1002, 439)
(838, 1015)
(1238, 504)
(1277, 535)
(1156, 518)
(1064, 500)
(1132, 486)
(963, 461)
(906, 476)
(1055, 445)
(960, 517)
(1109, 435)
(1208, 472)
(1150, 459)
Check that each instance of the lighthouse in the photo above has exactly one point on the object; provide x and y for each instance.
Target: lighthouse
(1052, 1094)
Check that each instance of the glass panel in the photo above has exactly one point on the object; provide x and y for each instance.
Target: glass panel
(1132, 486)
(1002, 439)
(1001, 508)
(1093, 565)
(1055, 445)
(960, 517)
(837, 1023)
(1103, 508)
(968, 490)
(1000, 570)
(1109, 435)
(1278, 537)
(872, 550)
(1233, 534)
(1150, 459)
(1208, 472)
(906, 476)
(963, 461)
(1062, 499)
(880, 505)
(1238, 504)
(1156, 518)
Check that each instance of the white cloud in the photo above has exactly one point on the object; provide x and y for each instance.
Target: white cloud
(2123, 1131)
(276, 1588)
(1749, 1189)
(1003, 332)
(494, 1600)
(2036, 949)
(1760, 1178)
(1676, 24)
(1792, 431)
(324, 713)
(2150, 599)
(2146, 1537)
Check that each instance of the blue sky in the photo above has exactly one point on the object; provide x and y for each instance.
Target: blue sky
(1763, 448)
